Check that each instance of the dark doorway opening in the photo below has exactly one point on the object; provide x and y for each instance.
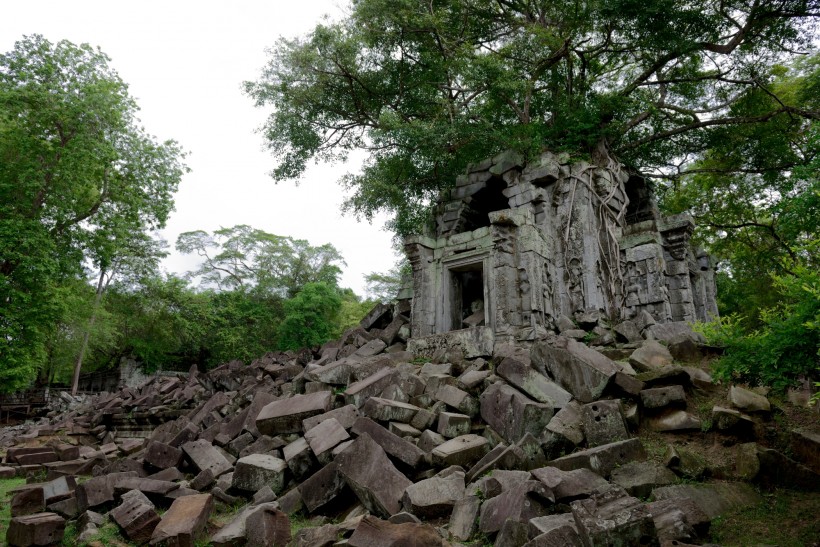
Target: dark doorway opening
(467, 306)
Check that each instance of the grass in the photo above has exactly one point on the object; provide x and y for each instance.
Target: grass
(786, 518)
(6, 485)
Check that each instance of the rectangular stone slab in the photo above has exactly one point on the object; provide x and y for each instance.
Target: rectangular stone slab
(286, 415)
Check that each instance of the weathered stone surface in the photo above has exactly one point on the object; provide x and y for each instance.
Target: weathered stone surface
(671, 330)
(136, 517)
(299, 459)
(98, 490)
(568, 423)
(613, 518)
(146, 486)
(204, 455)
(259, 470)
(324, 437)
(673, 420)
(235, 532)
(37, 529)
(580, 370)
(533, 383)
(345, 415)
(567, 486)
(358, 392)
(522, 502)
(772, 469)
(370, 474)
(286, 415)
(464, 450)
(322, 486)
(640, 478)
(458, 399)
(451, 424)
(386, 410)
(805, 446)
(714, 499)
(28, 501)
(679, 520)
(511, 413)
(394, 445)
(603, 459)
(162, 456)
(463, 520)
(472, 343)
(184, 521)
(604, 422)
(650, 356)
(660, 397)
(434, 497)
(748, 401)
(372, 531)
(267, 527)
(725, 419)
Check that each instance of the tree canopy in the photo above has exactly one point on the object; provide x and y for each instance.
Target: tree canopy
(428, 87)
(80, 179)
(243, 257)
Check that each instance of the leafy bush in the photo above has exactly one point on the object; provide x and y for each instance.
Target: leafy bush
(786, 346)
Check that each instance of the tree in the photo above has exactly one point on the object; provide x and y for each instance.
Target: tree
(756, 192)
(78, 172)
(310, 316)
(427, 88)
(242, 257)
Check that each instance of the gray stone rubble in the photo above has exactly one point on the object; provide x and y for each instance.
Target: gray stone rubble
(521, 428)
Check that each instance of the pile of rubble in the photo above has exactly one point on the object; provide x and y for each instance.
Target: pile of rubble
(388, 441)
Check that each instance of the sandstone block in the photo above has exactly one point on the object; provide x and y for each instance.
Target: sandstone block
(512, 414)
(204, 455)
(259, 470)
(184, 521)
(434, 497)
(37, 529)
(533, 383)
(370, 474)
(604, 422)
(286, 415)
(580, 370)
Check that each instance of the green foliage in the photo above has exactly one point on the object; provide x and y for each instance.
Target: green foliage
(384, 287)
(242, 257)
(427, 88)
(310, 317)
(786, 346)
(6, 486)
(79, 177)
(755, 192)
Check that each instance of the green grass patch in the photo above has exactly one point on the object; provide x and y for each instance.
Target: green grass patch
(6, 486)
(785, 518)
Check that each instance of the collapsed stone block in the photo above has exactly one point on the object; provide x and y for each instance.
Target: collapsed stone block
(567, 486)
(286, 415)
(259, 470)
(37, 529)
(136, 517)
(511, 413)
(434, 497)
(204, 455)
(613, 518)
(580, 370)
(184, 521)
(522, 502)
(370, 474)
(604, 422)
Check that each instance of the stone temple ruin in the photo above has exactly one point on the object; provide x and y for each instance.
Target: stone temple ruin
(516, 246)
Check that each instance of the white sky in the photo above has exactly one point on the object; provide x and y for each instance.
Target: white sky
(184, 62)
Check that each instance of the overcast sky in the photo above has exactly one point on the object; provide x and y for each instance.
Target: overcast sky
(184, 62)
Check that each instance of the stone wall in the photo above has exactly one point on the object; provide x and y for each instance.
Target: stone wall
(553, 238)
